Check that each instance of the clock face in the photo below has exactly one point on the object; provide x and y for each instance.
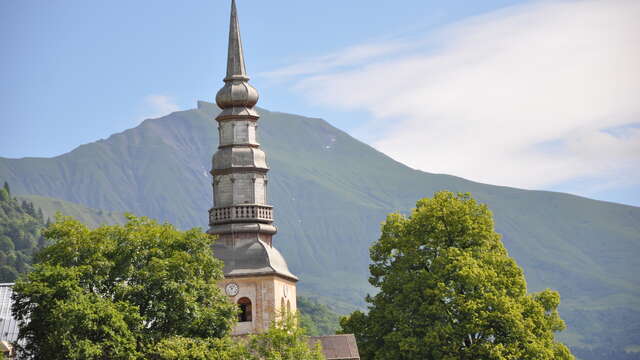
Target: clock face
(232, 289)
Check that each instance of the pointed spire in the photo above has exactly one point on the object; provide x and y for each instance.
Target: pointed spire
(235, 59)
(237, 97)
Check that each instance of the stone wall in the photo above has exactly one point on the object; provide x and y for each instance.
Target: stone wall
(268, 295)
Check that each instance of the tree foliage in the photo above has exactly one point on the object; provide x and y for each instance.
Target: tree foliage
(117, 291)
(316, 318)
(284, 340)
(21, 225)
(182, 348)
(449, 290)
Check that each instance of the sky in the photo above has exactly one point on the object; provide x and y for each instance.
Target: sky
(529, 94)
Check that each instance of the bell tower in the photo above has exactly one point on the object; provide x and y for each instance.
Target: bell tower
(256, 275)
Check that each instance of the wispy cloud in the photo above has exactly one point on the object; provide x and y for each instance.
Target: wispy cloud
(158, 105)
(346, 58)
(530, 96)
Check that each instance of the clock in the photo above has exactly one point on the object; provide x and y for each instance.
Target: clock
(232, 289)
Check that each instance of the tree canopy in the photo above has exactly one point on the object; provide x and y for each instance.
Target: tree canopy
(116, 291)
(284, 340)
(449, 290)
(142, 290)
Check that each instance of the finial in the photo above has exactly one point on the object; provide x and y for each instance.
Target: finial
(235, 59)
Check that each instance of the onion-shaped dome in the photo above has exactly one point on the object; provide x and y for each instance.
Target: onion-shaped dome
(237, 93)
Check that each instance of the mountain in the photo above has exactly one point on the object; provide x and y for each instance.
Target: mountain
(88, 216)
(331, 192)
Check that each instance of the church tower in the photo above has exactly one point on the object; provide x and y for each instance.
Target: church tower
(256, 275)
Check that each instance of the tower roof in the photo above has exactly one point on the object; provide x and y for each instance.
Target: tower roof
(235, 58)
(237, 97)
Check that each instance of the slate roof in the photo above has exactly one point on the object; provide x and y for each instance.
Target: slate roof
(8, 325)
(337, 347)
(252, 258)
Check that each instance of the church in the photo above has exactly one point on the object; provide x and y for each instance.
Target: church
(257, 277)
(257, 273)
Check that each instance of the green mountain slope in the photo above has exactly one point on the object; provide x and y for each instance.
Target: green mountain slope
(90, 217)
(22, 219)
(331, 192)
(317, 318)
(21, 224)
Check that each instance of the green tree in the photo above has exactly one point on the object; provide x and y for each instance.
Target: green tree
(449, 290)
(8, 273)
(181, 348)
(284, 340)
(117, 291)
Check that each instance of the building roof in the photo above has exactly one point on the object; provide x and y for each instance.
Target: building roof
(8, 325)
(337, 347)
(251, 258)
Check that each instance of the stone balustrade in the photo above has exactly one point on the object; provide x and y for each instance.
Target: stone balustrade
(241, 213)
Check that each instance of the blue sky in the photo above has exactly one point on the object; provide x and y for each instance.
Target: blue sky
(540, 95)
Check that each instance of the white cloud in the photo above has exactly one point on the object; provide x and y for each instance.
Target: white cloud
(158, 105)
(524, 96)
(350, 56)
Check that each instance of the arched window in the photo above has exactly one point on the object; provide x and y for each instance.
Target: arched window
(245, 309)
(288, 308)
(282, 307)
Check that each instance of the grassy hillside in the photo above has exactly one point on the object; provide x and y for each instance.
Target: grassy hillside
(331, 192)
(90, 217)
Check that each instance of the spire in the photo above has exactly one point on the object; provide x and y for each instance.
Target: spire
(241, 216)
(237, 97)
(235, 59)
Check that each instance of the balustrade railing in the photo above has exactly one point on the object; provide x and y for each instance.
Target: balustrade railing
(243, 213)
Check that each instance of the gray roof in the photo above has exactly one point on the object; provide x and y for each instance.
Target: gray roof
(8, 325)
(250, 258)
(337, 347)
